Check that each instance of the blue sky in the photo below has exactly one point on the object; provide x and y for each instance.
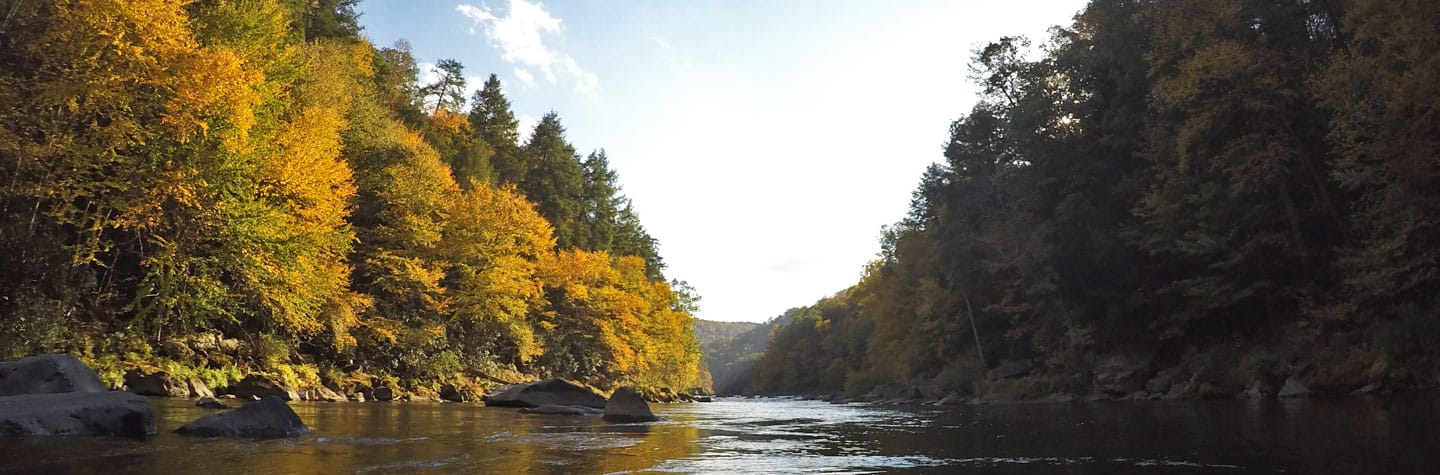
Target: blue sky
(764, 143)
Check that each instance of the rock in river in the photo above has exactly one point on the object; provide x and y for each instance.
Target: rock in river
(211, 403)
(267, 418)
(44, 374)
(627, 406)
(551, 391)
(76, 413)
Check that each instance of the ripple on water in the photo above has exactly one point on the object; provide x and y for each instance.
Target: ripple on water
(579, 440)
(762, 463)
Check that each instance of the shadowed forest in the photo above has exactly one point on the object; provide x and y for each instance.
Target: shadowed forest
(1216, 193)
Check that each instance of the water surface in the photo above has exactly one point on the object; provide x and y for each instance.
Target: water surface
(754, 436)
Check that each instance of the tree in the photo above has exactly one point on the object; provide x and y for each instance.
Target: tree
(1382, 88)
(448, 88)
(492, 120)
(555, 180)
(493, 243)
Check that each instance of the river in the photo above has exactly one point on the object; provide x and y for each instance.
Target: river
(780, 435)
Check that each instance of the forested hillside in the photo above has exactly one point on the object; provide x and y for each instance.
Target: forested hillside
(713, 335)
(728, 350)
(224, 187)
(1180, 197)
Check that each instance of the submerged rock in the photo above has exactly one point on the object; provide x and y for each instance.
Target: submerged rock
(211, 403)
(48, 374)
(626, 405)
(76, 414)
(267, 418)
(258, 387)
(551, 391)
(557, 410)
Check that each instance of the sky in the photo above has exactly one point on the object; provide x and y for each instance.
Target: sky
(763, 143)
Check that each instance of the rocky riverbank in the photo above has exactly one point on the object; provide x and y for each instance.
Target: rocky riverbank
(1126, 378)
(57, 394)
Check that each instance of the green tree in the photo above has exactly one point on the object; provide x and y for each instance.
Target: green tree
(448, 89)
(492, 119)
(555, 180)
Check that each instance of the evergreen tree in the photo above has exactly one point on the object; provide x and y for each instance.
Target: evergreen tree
(492, 119)
(555, 180)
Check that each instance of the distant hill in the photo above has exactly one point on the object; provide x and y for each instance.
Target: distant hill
(714, 335)
(730, 350)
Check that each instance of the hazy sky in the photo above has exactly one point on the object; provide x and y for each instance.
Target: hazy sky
(764, 143)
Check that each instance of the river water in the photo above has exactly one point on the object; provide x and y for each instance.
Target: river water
(754, 436)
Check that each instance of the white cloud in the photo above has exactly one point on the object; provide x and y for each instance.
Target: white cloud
(520, 37)
(525, 124)
(428, 74)
(586, 82)
(526, 79)
(665, 45)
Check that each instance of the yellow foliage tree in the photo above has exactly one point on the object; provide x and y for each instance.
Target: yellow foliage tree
(492, 242)
(609, 324)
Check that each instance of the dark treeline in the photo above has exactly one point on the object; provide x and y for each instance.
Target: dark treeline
(1234, 190)
(221, 187)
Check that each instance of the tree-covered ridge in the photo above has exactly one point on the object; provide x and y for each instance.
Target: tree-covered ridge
(1234, 190)
(255, 170)
(727, 350)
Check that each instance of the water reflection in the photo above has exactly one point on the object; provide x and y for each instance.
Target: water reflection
(787, 436)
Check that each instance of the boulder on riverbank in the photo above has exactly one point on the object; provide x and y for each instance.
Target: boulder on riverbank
(268, 418)
(1010, 369)
(48, 374)
(76, 414)
(451, 392)
(155, 383)
(551, 391)
(258, 387)
(626, 405)
(1120, 375)
(1258, 389)
(951, 399)
(557, 410)
(198, 388)
(321, 393)
(1293, 388)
